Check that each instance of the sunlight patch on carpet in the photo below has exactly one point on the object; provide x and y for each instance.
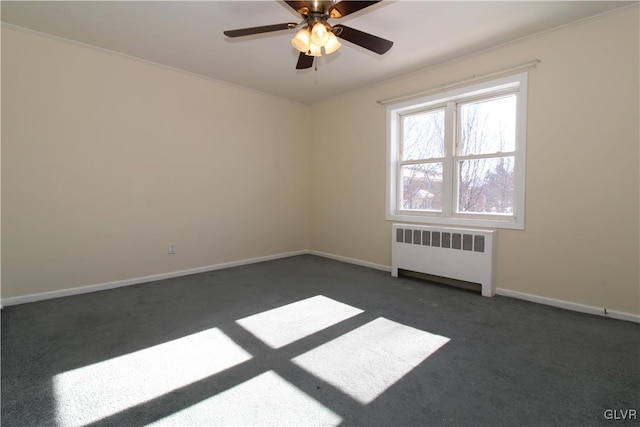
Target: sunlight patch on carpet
(93, 392)
(291, 322)
(265, 400)
(368, 360)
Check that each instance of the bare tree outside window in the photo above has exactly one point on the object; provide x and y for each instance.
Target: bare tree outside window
(486, 185)
(486, 162)
(422, 186)
(423, 147)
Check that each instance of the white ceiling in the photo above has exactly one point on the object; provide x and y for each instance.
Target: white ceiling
(188, 36)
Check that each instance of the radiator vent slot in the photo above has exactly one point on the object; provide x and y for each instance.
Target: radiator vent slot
(445, 239)
(456, 253)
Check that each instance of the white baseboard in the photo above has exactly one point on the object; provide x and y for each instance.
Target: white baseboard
(351, 260)
(137, 280)
(567, 305)
(614, 314)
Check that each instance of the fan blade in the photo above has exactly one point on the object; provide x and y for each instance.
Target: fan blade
(302, 7)
(344, 8)
(257, 30)
(304, 61)
(365, 40)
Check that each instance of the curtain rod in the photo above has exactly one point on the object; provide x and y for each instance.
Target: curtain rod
(473, 78)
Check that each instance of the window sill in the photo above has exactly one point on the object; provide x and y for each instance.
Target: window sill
(492, 222)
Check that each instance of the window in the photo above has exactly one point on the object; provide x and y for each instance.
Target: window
(458, 157)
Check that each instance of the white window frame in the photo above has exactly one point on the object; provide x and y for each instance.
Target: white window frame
(516, 84)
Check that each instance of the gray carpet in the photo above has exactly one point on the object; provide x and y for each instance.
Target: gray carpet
(311, 341)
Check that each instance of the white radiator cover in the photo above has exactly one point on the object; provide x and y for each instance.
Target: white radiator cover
(455, 253)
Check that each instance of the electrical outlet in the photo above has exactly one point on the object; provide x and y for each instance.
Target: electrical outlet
(172, 248)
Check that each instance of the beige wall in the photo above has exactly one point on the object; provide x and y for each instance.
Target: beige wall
(105, 160)
(581, 242)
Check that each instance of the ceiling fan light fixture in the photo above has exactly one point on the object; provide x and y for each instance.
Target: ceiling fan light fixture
(319, 34)
(332, 44)
(301, 40)
(315, 33)
(314, 50)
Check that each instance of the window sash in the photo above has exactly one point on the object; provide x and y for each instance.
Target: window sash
(401, 183)
(486, 190)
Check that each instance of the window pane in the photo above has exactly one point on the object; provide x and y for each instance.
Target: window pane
(422, 187)
(488, 126)
(486, 185)
(423, 135)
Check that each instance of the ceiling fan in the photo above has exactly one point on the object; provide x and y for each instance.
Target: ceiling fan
(316, 34)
